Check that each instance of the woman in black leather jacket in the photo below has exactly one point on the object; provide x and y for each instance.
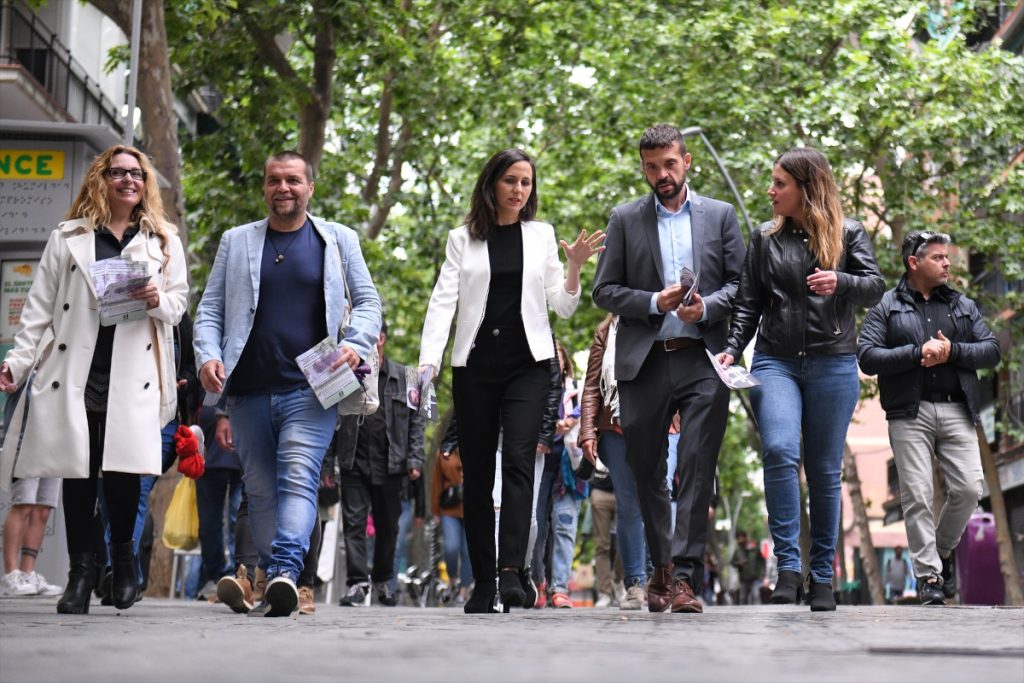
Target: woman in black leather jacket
(804, 273)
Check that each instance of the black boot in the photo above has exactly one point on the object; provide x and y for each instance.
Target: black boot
(510, 590)
(529, 588)
(124, 584)
(80, 581)
(820, 596)
(482, 599)
(788, 588)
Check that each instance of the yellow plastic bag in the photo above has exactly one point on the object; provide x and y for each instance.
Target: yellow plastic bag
(181, 523)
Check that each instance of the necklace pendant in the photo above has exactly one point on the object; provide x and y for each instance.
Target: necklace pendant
(280, 257)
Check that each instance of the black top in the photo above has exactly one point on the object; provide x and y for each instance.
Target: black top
(372, 445)
(291, 314)
(936, 314)
(98, 382)
(504, 296)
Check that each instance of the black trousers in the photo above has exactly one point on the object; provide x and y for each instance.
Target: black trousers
(668, 381)
(120, 489)
(502, 388)
(358, 498)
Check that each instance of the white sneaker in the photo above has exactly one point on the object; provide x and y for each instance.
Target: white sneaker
(636, 598)
(16, 584)
(43, 587)
(603, 600)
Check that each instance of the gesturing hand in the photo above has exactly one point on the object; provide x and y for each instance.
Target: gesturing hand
(583, 247)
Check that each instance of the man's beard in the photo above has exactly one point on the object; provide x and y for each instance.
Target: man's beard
(297, 211)
(667, 194)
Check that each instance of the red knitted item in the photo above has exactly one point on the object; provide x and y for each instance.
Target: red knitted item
(190, 460)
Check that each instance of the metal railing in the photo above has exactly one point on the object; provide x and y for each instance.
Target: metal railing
(27, 42)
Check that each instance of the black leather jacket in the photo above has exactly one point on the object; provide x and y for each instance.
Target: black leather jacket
(793, 321)
(890, 347)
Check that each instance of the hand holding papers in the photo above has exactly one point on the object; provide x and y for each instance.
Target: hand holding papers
(330, 386)
(734, 376)
(116, 280)
(688, 280)
(420, 392)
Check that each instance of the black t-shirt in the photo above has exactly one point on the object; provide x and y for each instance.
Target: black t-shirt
(291, 314)
(98, 383)
(504, 296)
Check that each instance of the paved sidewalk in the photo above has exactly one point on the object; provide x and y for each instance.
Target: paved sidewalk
(171, 640)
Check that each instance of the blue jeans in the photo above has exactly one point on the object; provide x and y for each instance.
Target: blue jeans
(542, 514)
(629, 523)
(402, 542)
(456, 550)
(217, 486)
(281, 440)
(814, 398)
(565, 515)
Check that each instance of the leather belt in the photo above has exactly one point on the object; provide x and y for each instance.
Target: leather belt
(677, 344)
(940, 397)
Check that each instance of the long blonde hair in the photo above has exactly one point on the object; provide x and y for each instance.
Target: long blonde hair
(91, 202)
(823, 212)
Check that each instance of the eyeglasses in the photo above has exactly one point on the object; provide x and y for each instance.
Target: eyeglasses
(120, 173)
(922, 238)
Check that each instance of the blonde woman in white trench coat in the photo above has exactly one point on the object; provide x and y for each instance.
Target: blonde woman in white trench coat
(98, 396)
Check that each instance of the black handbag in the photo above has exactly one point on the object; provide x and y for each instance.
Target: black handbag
(451, 497)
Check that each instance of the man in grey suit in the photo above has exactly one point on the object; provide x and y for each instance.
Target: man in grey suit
(660, 361)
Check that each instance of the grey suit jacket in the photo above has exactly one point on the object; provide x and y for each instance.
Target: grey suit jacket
(629, 272)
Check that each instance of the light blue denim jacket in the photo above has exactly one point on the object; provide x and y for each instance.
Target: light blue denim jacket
(226, 312)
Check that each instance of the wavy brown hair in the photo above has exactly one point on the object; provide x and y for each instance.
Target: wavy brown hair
(482, 219)
(823, 212)
(91, 202)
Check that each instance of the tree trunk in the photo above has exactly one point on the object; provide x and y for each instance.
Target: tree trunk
(872, 570)
(155, 99)
(1007, 561)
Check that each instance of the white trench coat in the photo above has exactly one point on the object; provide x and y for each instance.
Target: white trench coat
(59, 324)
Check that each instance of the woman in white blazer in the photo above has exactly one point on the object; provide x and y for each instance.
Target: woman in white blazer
(501, 273)
(97, 396)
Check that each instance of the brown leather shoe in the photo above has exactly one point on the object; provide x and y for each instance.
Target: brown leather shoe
(660, 589)
(683, 599)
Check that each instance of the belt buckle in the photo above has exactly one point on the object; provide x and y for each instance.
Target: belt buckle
(666, 347)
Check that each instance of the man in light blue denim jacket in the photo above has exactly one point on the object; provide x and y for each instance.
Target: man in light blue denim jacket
(275, 291)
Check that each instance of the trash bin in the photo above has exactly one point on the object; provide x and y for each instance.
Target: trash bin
(977, 563)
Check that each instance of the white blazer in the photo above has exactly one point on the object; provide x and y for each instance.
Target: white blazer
(464, 282)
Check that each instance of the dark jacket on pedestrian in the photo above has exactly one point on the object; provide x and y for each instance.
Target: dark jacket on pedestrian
(773, 290)
(404, 426)
(891, 341)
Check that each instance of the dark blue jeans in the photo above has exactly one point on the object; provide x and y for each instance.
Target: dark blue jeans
(217, 486)
(810, 399)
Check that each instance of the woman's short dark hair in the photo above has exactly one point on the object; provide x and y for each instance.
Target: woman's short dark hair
(482, 218)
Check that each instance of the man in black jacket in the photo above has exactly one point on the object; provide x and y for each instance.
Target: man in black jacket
(926, 341)
(375, 457)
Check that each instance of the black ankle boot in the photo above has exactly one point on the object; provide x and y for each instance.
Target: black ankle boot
(788, 588)
(124, 584)
(482, 599)
(529, 588)
(510, 589)
(820, 597)
(80, 581)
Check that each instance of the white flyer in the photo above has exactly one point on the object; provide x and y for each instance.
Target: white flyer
(115, 280)
(330, 386)
(734, 376)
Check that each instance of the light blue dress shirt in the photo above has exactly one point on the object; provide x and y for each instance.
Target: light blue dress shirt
(675, 238)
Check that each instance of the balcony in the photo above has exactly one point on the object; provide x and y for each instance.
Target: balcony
(40, 80)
